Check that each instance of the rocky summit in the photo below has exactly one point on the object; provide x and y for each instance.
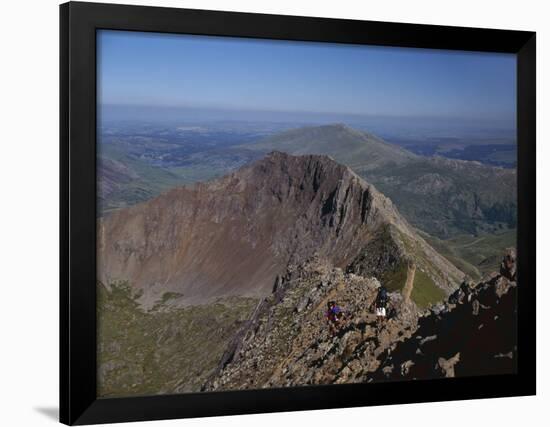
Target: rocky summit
(233, 236)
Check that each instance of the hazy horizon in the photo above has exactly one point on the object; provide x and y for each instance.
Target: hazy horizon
(310, 81)
(390, 127)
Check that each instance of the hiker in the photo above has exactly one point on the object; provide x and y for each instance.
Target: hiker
(334, 315)
(380, 305)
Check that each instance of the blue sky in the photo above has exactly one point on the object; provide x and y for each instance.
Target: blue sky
(147, 69)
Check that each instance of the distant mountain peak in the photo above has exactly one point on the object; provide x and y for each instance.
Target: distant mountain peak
(336, 126)
(344, 144)
(441, 196)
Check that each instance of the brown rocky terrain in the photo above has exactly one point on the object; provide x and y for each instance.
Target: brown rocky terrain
(236, 234)
(287, 342)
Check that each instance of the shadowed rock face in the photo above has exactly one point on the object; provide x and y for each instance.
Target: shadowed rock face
(473, 333)
(234, 235)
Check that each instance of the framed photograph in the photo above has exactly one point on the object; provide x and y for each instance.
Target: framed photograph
(268, 213)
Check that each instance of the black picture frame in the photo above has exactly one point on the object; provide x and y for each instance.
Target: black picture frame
(78, 25)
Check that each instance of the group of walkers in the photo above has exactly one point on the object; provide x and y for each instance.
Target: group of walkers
(336, 315)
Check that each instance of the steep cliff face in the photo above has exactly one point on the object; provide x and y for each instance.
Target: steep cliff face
(234, 235)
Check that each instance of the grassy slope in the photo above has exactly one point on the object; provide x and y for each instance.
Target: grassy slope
(152, 180)
(395, 280)
(475, 255)
(344, 144)
(425, 292)
(449, 211)
(165, 350)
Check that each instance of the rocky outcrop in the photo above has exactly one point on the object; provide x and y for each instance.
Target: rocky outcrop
(234, 235)
(287, 341)
(473, 333)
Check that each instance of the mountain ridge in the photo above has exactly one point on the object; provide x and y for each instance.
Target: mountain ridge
(234, 235)
(441, 196)
(286, 341)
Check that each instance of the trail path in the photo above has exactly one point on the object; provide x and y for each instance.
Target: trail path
(467, 245)
(407, 289)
